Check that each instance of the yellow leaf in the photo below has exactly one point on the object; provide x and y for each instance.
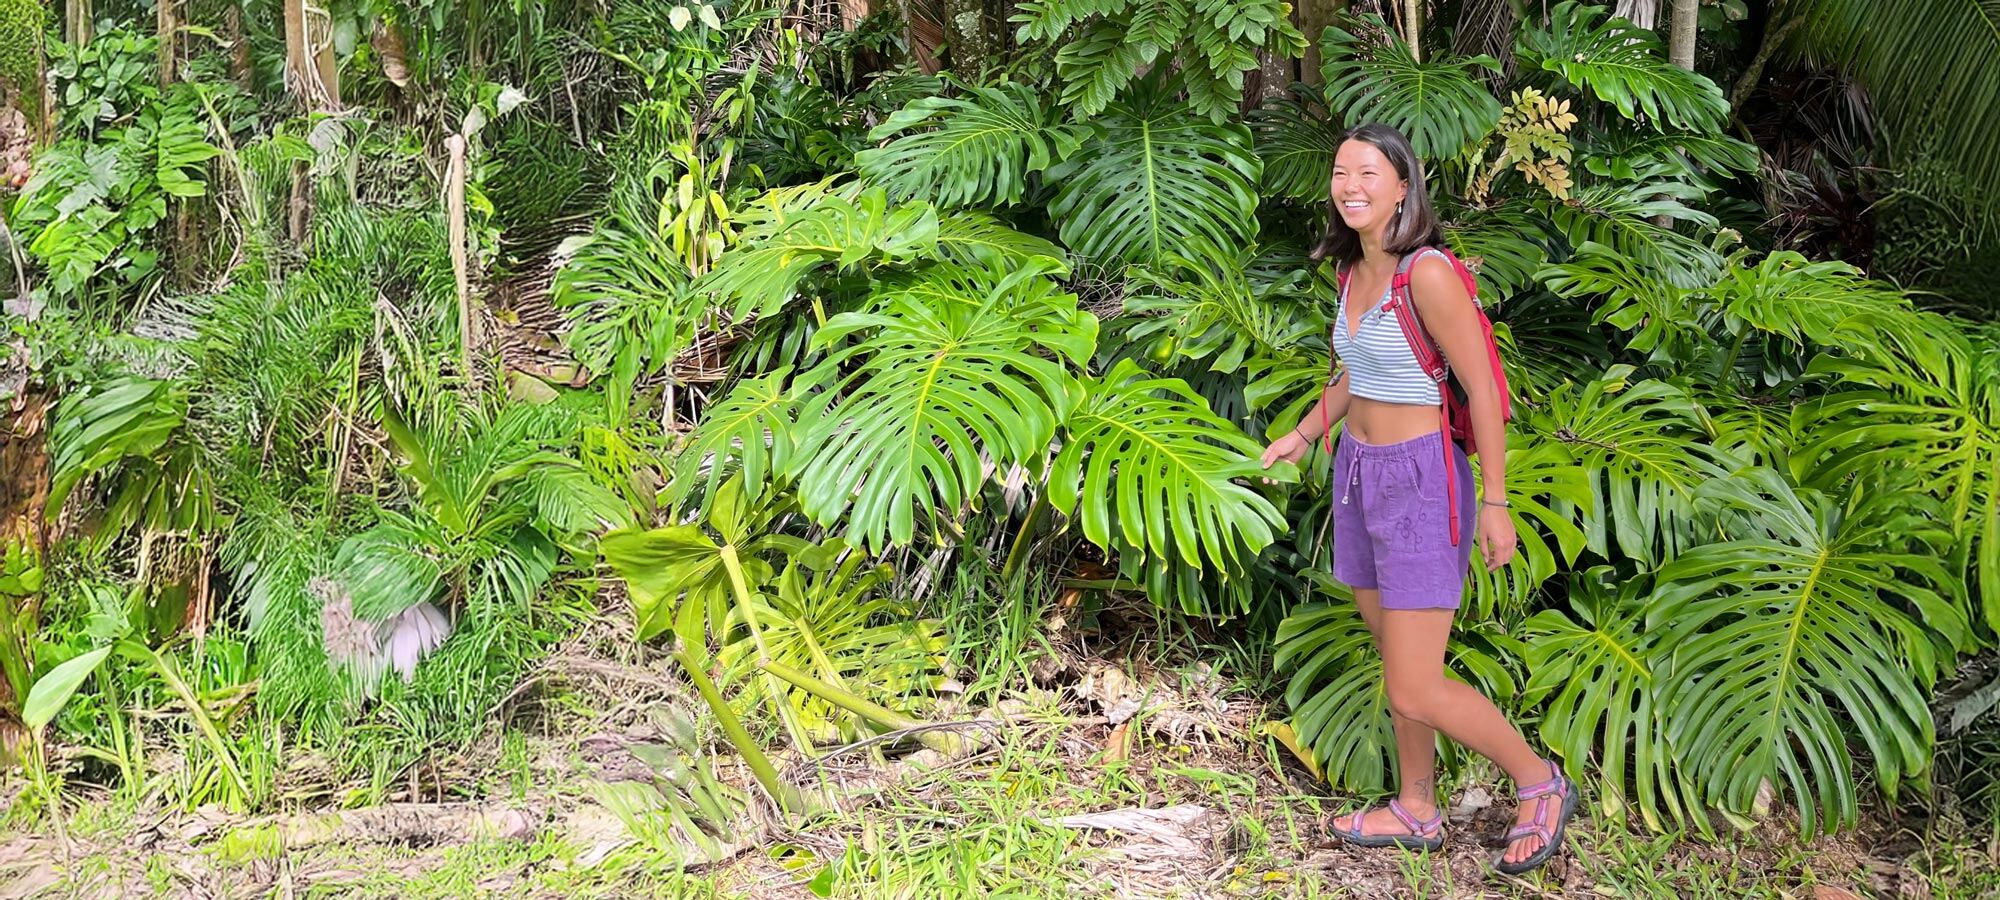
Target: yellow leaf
(1286, 736)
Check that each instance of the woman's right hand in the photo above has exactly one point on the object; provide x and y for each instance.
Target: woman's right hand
(1290, 448)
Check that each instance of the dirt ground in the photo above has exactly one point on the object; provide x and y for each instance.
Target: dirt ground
(1102, 783)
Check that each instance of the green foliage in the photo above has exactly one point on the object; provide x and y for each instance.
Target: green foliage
(983, 148)
(1926, 66)
(92, 206)
(1156, 182)
(1841, 595)
(947, 369)
(1623, 65)
(1137, 472)
(1439, 104)
(1105, 43)
(21, 26)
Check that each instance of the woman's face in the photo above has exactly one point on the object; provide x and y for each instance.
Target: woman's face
(1366, 188)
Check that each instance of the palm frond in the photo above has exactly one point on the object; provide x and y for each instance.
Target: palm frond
(1928, 65)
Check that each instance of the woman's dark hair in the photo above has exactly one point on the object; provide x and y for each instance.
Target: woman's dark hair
(1416, 226)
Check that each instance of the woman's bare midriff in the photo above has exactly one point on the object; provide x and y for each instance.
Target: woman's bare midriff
(1376, 422)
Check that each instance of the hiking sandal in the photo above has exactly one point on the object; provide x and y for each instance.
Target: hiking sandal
(1424, 834)
(1559, 789)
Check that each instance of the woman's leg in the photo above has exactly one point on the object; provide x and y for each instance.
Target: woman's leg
(1416, 748)
(1413, 643)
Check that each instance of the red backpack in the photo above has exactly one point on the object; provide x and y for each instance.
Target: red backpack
(1455, 411)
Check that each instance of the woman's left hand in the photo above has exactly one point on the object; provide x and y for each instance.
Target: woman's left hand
(1496, 536)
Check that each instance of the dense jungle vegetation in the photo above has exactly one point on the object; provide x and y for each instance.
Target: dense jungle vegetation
(360, 356)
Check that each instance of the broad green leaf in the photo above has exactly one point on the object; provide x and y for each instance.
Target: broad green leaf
(1441, 104)
(1593, 678)
(1297, 145)
(1156, 181)
(1144, 461)
(53, 690)
(973, 149)
(1623, 65)
(1817, 619)
(938, 380)
(1646, 454)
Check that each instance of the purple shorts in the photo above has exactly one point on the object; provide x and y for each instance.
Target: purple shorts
(1392, 522)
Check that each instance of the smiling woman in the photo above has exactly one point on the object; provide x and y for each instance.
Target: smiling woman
(1403, 526)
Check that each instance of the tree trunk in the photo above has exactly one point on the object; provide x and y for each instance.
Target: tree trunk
(972, 42)
(1680, 44)
(1680, 52)
(24, 495)
(1312, 17)
(1413, 28)
(76, 22)
(853, 11)
(310, 74)
(239, 45)
(168, 31)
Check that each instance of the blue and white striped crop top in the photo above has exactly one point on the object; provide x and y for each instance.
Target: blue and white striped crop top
(1379, 363)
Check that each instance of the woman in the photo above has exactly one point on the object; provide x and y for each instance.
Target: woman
(1392, 540)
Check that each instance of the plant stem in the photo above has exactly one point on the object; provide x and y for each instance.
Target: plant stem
(779, 704)
(753, 755)
(874, 713)
(1022, 539)
(195, 710)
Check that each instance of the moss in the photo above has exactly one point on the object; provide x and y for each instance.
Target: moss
(21, 26)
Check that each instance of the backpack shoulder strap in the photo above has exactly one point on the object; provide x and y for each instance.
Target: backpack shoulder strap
(1422, 346)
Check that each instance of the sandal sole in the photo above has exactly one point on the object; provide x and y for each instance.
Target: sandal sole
(1549, 849)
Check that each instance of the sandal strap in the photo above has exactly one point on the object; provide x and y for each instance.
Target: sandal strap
(1417, 827)
(1558, 785)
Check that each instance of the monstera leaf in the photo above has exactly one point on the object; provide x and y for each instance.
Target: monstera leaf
(1157, 181)
(1666, 322)
(754, 426)
(1931, 409)
(1208, 309)
(1595, 673)
(1441, 104)
(1144, 461)
(762, 275)
(1622, 64)
(1820, 619)
(940, 376)
(1646, 453)
(969, 150)
(1621, 218)
(973, 238)
(1297, 144)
